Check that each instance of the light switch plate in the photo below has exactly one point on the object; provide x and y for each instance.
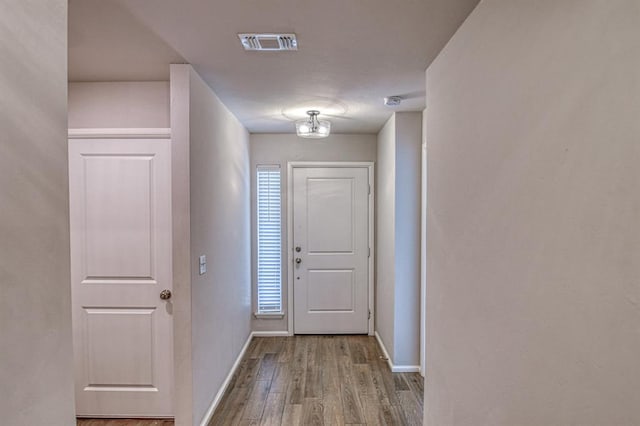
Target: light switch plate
(203, 264)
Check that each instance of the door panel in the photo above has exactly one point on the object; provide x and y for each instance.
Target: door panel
(126, 357)
(331, 290)
(329, 209)
(331, 225)
(119, 241)
(120, 210)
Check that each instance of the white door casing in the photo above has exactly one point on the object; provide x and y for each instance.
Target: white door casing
(331, 226)
(121, 257)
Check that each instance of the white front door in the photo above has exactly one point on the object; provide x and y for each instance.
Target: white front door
(331, 249)
(120, 207)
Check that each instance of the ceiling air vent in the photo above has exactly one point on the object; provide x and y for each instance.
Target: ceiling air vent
(269, 41)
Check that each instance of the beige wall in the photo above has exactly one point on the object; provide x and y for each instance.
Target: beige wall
(533, 237)
(129, 104)
(385, 234)
(36, 370)
(398, 238)
(220, 229)
(407, 236)
(279, 149)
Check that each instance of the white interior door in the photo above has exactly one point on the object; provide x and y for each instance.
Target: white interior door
(331, 250)
(120, 206)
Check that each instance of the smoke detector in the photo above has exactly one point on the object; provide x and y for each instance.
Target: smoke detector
(392, 100)
(268, 42)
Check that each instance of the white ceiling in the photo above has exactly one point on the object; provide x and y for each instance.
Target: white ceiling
(351, 53)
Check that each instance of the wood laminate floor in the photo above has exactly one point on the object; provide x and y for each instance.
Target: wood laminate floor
(123, 422)
(319, 380)
(312, 380)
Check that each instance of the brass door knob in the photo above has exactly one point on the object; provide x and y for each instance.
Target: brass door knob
(165, 294)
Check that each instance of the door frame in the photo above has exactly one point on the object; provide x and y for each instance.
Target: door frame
(370, 166)
(159, 133)
(423, 249)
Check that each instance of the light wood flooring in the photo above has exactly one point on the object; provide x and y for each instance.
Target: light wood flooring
(312, 380)
(319, 380)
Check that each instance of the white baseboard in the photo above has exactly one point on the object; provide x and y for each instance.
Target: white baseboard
(384, 351)
(270, 333)
(405, 369)
(396, 368)
(225, 384)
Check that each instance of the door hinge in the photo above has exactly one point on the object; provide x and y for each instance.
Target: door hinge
(369, 189)
(369, 313)
(369, 255)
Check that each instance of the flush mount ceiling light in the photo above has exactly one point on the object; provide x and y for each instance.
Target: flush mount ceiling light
(313, 128)
(269, 42)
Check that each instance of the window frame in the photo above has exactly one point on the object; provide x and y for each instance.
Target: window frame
(268, 281)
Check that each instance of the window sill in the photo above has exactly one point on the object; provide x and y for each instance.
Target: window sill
(269, 315)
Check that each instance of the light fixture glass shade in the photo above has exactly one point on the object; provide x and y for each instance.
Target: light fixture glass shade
(313, 128)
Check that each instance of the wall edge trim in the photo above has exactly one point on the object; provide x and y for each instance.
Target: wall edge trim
(270, 333)
(396, 368)
(118, 133)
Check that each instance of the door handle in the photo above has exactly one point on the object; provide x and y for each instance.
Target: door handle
(298, 260)
(165, 294)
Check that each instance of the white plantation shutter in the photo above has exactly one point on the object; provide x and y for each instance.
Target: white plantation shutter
(269, 240)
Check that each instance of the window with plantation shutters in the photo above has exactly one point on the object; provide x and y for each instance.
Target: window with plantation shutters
(269, 240)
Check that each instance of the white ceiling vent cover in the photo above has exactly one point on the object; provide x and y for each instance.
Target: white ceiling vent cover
(268, 42)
